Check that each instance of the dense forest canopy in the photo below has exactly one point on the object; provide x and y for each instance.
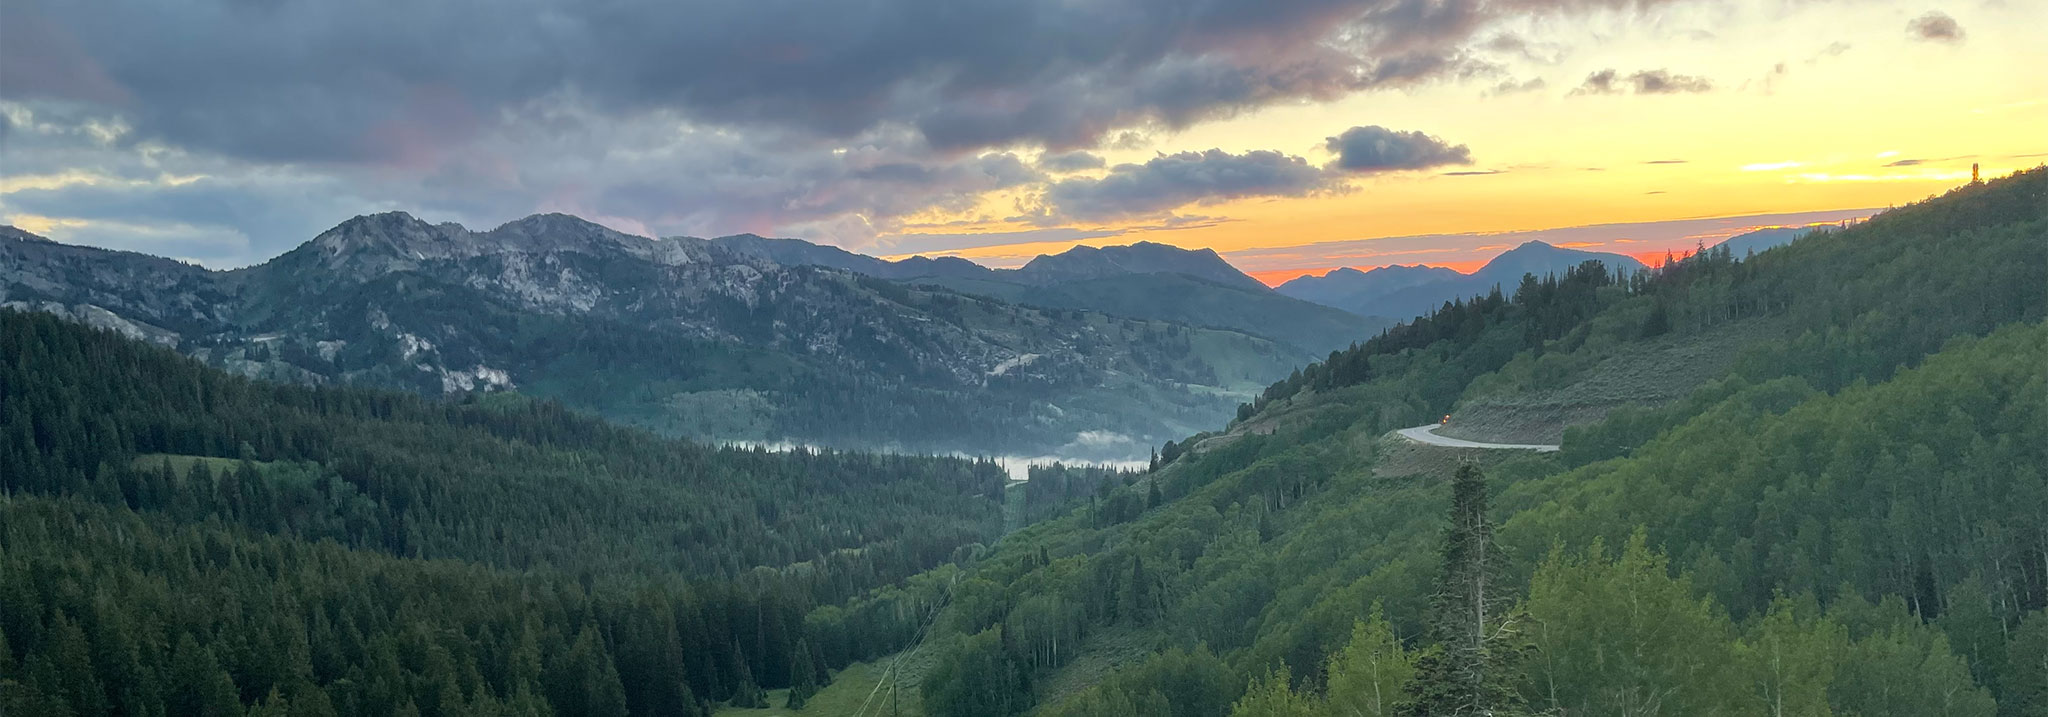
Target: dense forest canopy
(1845, 520)
(1845, 517)
(374, 552)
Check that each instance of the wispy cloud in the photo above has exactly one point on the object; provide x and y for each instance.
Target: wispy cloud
(1643, 82)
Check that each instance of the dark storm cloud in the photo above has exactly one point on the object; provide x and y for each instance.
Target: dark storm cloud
(1174, 180)
(1373, 148)
(642, 177)
(1070, 161)
(1935, 26)
(1645, 82)
(382, 79)
(830, 120)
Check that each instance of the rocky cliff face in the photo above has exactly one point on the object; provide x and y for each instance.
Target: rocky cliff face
(681, 335)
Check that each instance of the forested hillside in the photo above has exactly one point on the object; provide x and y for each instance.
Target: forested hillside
(174, 540)
(1845, 520)
(1404, 292)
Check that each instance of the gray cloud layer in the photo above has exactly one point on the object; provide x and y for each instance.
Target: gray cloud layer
(320, 81)
(701, 117)
(1174, 180)
(1074, 161)
(1373, 148)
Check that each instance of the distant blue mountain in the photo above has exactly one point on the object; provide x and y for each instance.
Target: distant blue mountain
(1409, 291)
(1348, 287)
(1145, 280)
(1742, 244)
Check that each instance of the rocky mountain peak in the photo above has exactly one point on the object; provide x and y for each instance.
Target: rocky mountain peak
(560, 232)
(1086, 262)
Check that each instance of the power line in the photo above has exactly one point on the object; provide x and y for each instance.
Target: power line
(916, 644)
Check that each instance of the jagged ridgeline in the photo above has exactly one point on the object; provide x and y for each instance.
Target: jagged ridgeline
(684, 336)
(1808, 481)
(175, 540)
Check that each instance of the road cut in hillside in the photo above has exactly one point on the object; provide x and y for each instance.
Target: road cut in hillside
(1427, 434)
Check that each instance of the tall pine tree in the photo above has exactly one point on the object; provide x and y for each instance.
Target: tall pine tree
(1473, 667)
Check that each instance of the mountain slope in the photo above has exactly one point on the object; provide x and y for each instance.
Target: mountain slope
(680, 335)
(1761, 239)
(797, 252)
(1141, 281)
(1312, 329)
(1858, 487)
(1404, 292)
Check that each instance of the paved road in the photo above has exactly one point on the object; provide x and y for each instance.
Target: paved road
(1427, 434)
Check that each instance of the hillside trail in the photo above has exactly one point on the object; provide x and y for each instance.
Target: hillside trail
(1427, 434)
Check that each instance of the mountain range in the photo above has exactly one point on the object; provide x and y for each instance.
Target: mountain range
(1090, 352)
(685, 336)
(1145, 280)
(1406, 292)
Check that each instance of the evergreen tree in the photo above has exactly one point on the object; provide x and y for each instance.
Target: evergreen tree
(1137, 603)
(748, 693)
(803, 676)
(584, 680)
(199, 686)
(1476, 660)
(71, 656)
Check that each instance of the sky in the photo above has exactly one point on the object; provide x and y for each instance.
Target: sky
(1293, 136)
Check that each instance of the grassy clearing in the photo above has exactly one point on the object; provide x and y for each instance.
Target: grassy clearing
(851, 688)
(1013, 507)
(1533, 399)
(183, 463)
(1105, 651)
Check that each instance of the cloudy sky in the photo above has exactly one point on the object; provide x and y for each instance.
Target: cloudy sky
(1294, 135)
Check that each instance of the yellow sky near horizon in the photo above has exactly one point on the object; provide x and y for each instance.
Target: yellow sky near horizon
(1810, 105)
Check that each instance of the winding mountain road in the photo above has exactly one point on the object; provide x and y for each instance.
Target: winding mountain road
(1427, 434)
